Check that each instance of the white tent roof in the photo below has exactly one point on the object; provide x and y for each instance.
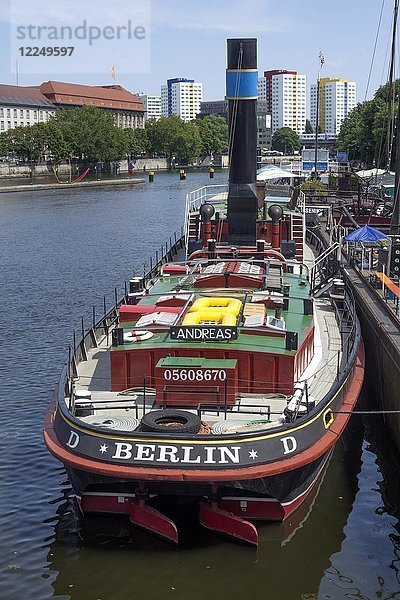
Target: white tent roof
(370, 173)
(273, 172)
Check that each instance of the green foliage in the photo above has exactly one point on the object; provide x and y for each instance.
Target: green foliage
(162, 135)
(172, 137)
(363, 132)
(332, 181)
(26, 143)
(213, 131)
(285, 140)
(135, 141)
(313, 185)
(308, 128)
(187, 144)
(56, 146)
(90, 133)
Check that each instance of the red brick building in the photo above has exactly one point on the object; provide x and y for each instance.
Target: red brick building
(127, 108)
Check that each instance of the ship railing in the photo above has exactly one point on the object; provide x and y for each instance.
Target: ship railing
(326, 265)
(196, 198)
(301, 202)
(93, 331)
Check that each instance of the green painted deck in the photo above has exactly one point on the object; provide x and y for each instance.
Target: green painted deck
(295, 320)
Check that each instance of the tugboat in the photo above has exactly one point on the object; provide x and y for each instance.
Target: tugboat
(218, 379)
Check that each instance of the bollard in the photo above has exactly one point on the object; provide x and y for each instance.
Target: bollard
(182, 175)
(212, 171)
(151, 176)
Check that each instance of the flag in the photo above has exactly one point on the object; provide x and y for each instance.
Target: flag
(321, 58)
(113, 72)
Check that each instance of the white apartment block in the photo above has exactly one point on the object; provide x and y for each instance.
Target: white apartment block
(337, 98)
(181, 97)
(152, 104)
(262, 88)
(20, 106)
(289, 102)
(286, 98)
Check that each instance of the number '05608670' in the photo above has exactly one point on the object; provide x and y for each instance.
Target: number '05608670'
(194, 375)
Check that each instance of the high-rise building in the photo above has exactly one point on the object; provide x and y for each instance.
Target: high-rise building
(181, 97)
(152, 105)
(285, 95)
(218, 108)
(263, 125)
(337, 98)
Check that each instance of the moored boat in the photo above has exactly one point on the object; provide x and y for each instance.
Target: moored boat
(219, 378)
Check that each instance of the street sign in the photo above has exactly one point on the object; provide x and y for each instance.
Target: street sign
(309, 166)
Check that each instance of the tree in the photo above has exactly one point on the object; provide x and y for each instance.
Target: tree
(172, 137)
(57, 148)
(136, 141)
(162, 133)
(285, 140)
(363, 132)
(213, 131)
(28, 144)
(187, 144)
(4, 144)
(308, 128)
(91, 133)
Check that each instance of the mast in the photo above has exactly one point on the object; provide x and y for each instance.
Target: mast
(321, 60)
(242, 95)
(395, 220)
(389, 134)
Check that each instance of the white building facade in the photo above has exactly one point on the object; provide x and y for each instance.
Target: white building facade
(286, 98)
(337, 98)
(152, 105)
(21, 106)
(262, 88)
(181, 97)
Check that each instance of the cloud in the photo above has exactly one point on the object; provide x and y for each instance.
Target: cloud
(228, 16)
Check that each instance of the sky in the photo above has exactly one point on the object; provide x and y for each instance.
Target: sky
(187, 38)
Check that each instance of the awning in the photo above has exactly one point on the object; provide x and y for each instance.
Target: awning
(370, 173)
(273, 172)
(365, 234)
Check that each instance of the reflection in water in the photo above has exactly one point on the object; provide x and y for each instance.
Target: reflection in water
(61, 250)
(125, 562)
(367, 565)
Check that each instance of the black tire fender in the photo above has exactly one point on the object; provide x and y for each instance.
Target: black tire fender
(171, 420)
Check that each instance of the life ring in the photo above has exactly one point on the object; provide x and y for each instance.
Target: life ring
(137, 336)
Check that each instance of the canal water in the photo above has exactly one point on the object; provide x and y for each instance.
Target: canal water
(60, 252)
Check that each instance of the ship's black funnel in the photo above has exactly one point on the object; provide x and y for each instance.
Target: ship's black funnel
(242, 94)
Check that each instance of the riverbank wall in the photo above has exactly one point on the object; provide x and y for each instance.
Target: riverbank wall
(381, 334)
(10, 170)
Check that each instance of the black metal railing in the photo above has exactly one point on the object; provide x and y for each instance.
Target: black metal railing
(91, 336)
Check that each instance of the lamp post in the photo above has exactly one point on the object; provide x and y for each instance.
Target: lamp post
(321, 60)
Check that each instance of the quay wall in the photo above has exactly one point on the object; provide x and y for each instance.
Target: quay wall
(15, 171)
(381, 334)
(9, 170)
